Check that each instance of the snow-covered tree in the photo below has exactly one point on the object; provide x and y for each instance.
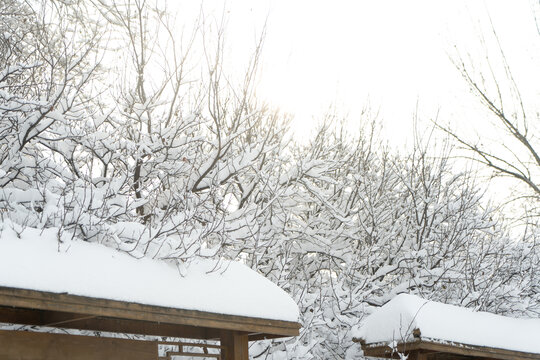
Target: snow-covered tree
(116, 128)
(46, 69)
(367, 225)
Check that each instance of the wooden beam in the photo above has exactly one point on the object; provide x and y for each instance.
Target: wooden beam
(192, 354)
(259, 336)
(104, 308)
(76, 321)
(182, 346)
(480, 352)
(235, 345)
(24, 345)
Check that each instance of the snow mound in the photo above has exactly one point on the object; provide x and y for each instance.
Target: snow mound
(438, 322)
(35, 260)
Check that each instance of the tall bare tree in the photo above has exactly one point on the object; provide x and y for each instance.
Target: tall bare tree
(512, 115)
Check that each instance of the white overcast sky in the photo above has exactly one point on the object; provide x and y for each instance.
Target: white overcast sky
(390, 53)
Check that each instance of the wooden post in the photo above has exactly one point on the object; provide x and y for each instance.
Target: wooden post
(236, 345)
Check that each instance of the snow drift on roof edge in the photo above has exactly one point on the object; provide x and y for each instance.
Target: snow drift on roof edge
(35, 261)
(440, 322)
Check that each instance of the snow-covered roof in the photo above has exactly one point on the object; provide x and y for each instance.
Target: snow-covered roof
(37, 261)
(395, 322)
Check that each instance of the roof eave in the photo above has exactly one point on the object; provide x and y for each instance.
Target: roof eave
(94, 312)
(426, 346)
